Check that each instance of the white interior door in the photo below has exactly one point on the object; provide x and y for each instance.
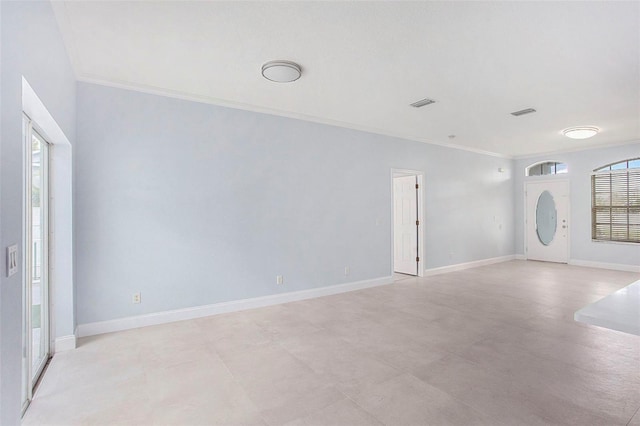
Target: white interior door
(547, 226)
(405, 229)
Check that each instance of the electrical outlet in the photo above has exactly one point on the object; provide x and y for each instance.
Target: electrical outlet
(136, 298)
(279, 280)
(346, 271)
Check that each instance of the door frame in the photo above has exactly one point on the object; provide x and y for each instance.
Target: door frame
(546, 179)
(31, 127)
(396, 172)
(61, 295)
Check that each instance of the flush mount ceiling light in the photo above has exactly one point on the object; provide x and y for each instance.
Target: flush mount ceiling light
(582, 132)
(281, 71)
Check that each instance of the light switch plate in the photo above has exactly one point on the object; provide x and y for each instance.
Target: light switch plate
(12, 260)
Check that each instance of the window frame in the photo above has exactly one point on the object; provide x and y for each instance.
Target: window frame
(555, 163)
(632, 177)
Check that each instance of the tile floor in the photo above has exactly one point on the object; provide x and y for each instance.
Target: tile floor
(397, 276)
(495, 345)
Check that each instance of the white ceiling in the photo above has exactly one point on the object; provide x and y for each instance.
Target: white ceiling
(576, 63)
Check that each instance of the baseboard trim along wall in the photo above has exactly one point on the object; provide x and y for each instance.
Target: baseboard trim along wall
(91, 329)
(604, 265)
(599, 265)
(64, 343)
(468, 265)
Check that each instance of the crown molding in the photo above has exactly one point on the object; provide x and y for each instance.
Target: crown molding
(584, 148)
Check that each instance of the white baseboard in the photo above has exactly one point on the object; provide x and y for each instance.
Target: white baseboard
(64, 343)
(521, 257)
(127, 323)
(604, 265)
(468, 265)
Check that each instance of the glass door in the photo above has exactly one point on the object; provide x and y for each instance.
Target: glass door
(36, 250)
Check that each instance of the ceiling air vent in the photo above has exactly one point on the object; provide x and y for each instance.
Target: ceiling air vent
(422, 102)
(523, 112)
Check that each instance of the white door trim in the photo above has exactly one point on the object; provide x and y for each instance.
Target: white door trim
(537, 180)
(60, 209)
(421, 246)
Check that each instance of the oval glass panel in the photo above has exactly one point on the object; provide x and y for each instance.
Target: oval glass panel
(546, 218)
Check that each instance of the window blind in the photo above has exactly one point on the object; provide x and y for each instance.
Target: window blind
(615, 205)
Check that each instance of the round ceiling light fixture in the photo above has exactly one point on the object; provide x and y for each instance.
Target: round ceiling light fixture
(281, 71)
(581, 132)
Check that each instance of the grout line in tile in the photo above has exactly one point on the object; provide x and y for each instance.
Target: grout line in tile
(634, 414)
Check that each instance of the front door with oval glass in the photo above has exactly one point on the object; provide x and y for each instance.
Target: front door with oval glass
(547, 221)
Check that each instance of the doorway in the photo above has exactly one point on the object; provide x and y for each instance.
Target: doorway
(36, 319)
(407, 228)
(547, 220)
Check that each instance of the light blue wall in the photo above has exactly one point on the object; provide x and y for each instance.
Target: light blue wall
(193, 204)
(31, 47)
(580, 164)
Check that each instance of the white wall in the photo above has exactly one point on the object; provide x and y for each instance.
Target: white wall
(31, 47)
(194, 204)
(581, 164)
